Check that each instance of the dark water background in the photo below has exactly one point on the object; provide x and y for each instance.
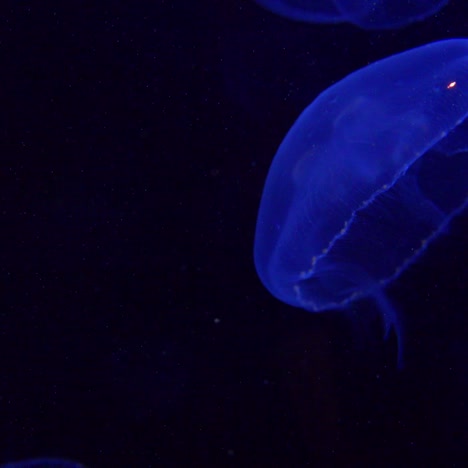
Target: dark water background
(135, 139)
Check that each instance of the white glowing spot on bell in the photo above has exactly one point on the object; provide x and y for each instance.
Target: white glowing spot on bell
(452, 85)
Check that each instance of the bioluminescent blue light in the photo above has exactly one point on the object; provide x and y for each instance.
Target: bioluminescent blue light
(43, 463)
(369, 174)
(367, 14)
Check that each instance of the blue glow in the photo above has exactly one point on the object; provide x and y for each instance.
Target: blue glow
(43, 463)
(367, 14)
(368, 175)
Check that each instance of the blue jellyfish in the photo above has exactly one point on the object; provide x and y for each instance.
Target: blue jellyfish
(370, 173)
(367, 14)
(43, 463)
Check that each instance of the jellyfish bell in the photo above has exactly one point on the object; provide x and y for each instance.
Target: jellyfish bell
(356, 193)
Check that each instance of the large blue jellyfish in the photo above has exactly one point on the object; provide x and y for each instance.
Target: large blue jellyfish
(367, 14)
(371, 172)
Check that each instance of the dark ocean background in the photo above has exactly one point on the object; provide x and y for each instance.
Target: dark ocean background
(135, 139)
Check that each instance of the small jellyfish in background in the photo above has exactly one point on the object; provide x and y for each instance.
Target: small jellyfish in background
(43, 463)
(370, 173)
(367, 14)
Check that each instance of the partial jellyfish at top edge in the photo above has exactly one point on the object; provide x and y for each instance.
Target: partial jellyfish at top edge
(367, 14)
